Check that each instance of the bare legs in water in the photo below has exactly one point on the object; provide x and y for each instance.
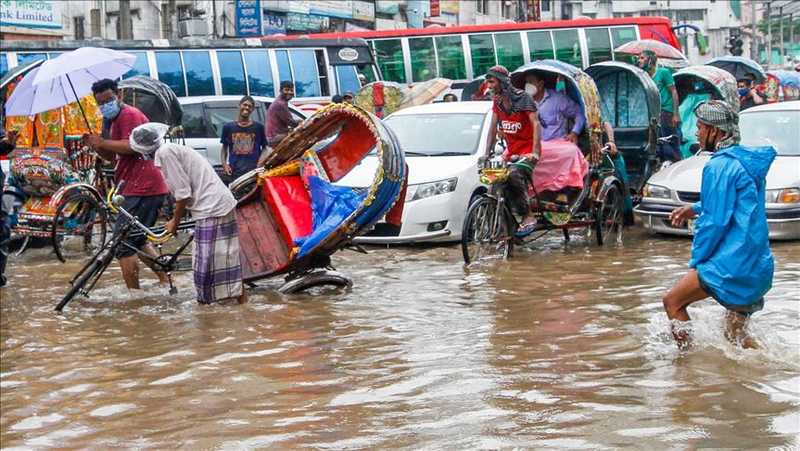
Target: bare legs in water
(688, 291)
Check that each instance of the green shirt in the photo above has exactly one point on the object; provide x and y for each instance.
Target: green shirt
(663, 79)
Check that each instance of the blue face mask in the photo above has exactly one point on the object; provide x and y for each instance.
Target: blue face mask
(743, 91)
(110, 110)
(561, 86)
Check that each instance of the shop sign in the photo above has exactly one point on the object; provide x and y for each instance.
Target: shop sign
(31, 13)
(248, 17)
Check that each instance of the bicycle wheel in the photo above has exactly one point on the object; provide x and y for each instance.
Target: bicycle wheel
(608, 217)
(80, 217)
(486, 232)
(88, 277)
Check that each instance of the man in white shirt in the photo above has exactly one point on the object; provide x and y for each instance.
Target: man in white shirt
(197, 188)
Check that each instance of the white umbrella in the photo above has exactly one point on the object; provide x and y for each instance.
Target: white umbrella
(65, 79)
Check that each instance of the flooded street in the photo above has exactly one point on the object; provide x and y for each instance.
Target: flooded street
(560, 347)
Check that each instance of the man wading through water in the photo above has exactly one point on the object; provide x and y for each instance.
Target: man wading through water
(516, 121)
(144, 187)
(731, 260)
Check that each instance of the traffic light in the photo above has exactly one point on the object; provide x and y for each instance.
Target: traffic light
(735, 44)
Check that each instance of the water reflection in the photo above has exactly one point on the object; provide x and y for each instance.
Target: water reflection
(562, 347)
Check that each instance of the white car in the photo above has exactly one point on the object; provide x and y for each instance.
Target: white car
(776, 124)
(442, 143)
(204, 117)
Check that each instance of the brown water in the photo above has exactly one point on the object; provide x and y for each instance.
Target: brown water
(562, 347)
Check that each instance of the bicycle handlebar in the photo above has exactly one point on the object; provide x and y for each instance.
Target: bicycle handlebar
(115, 202)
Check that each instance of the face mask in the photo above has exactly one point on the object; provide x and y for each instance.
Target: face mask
(561, 86)
(743, 92)
(110, 110)
(531, 89)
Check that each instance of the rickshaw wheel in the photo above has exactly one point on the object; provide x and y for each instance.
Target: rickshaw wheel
(82, 216)
(608, 217)
(313, 279)
(481, 237)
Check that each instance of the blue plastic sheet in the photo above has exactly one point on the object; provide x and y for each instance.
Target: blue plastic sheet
(331, 205)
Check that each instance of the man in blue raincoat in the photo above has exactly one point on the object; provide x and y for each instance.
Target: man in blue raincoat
(731, 260)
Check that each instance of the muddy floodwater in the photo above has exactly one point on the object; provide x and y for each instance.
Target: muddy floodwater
(561, 347)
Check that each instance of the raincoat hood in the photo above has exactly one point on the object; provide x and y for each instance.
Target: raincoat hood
(755, 160)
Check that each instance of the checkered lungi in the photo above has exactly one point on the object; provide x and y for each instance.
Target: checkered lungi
(216, 263)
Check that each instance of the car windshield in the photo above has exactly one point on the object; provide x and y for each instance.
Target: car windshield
(772, 128)
(438, 134)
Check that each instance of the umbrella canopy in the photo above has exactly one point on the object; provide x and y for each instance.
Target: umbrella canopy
(65, 79)
(661, 49)
(740, 67)
(17, 71)
(472, 88)
(787, 78)
(426, 92)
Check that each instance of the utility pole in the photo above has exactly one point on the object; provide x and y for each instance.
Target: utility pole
(769, 33)
(214, 18)
(125, 31)
(754, 30)
(783, 54)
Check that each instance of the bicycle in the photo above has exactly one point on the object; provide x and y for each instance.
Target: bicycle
(85, 280)
(491, 228)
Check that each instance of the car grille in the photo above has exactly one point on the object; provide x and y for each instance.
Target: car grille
(384, 229)
(688, 196)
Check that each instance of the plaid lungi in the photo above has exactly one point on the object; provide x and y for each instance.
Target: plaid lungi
(216, 263)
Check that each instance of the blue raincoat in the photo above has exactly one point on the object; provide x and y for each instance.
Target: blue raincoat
(730, 250)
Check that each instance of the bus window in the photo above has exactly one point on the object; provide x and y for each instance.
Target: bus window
(140, 66)
(231, 72)
(482, 49)
(259, 73)
(451, 57)
(621, 35)
(3, 64)
(509, 50)
(199, 80)
(306, 77)
(367, 71)
(540, 44)
(389, 53)
(284, 69)
(568, 48)
(346, 79)
(51, 55)
(23, 58)
(599, 44)
(322, 71)
(170, 71)
(423, 59)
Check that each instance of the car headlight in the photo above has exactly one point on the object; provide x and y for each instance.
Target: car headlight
(783, 196)
(425, 190)
(655, 191)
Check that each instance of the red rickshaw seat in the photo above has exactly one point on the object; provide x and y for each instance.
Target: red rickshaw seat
(290, 203)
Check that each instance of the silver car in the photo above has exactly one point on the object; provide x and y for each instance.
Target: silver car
(776, 124)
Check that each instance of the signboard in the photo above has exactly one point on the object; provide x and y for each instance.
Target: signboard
(448, 6)
(363, 10)
(289, 6)
(388, 7)
(274, 24)
(342, 9)
(434, 8)
(31, 13)
(306, 22)
(248, 17)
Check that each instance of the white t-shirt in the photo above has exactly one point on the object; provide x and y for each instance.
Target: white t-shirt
(190, 176)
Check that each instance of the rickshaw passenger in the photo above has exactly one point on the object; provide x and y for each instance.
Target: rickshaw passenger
(144, 188)
(515, 114)
(555, 110)
(748, 97)
(698, 95)
(562, 165)
(670, 121)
